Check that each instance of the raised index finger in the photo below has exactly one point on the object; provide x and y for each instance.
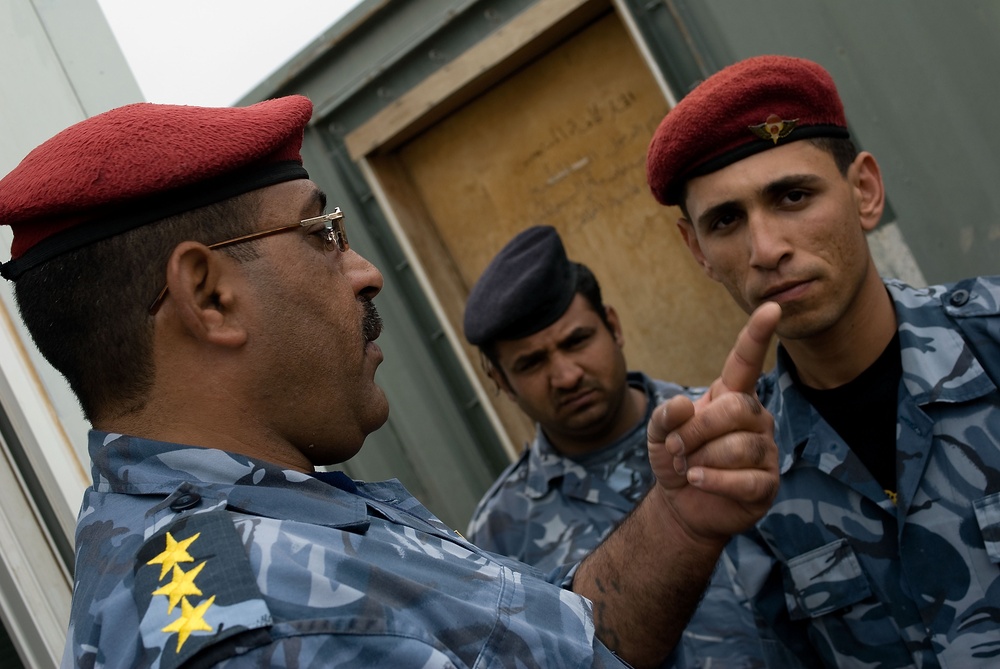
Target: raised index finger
(746, 359)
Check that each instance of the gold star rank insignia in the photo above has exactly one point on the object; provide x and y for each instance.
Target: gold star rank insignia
(180, 585)
(774, 128)
(194, 586)
(192, 620)
(176, 551)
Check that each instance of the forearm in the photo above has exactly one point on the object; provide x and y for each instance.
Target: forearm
(716, 468)
(645, 582)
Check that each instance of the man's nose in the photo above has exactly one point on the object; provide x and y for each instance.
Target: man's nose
(365, 277)
(768, 240)
(565, 372)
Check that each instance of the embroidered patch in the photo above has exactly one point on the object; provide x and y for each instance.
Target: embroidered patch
(176, 551)
(194, 587)
(181, 585)
(192, 619)
(774, 128)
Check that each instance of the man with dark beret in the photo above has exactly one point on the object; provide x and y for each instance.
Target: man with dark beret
(883, 546)
(182, 271)
(553, 346)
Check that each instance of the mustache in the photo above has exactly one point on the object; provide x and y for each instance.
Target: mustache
(563, 395)
(371, 324)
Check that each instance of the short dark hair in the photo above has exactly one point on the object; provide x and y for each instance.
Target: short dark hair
(87, 309)
(842, 150)
(586, 285)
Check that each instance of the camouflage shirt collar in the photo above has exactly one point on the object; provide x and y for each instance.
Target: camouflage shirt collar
(938, 366)
(132, 465)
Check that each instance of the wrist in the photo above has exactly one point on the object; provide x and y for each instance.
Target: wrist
(679, 529)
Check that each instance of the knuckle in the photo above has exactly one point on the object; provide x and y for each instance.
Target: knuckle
(751, 403)
(759, 448)
(770, 486)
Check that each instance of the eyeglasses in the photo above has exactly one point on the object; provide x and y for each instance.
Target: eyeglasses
(332, 233)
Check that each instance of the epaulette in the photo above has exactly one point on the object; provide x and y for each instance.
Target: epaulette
(973, 304)
(195, 588)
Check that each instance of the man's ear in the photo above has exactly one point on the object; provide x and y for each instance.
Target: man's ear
(616, 325)
(865, 177)
(691, 239)
(202, 291)
(500, 379)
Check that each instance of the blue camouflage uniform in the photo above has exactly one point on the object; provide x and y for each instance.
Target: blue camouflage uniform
(549, 510)
(187, 554)
(838, 575)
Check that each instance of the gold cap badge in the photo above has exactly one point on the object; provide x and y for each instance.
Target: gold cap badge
(774, 128)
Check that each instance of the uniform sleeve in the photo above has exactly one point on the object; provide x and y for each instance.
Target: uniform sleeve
(321, 651)
(337, 650)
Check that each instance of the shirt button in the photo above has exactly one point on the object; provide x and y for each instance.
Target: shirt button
(186, 501)
(959, 297)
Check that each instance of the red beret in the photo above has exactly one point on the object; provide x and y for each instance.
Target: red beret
(743, 109)
(140, 163)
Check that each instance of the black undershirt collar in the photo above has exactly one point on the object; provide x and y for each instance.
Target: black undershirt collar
(863, 412)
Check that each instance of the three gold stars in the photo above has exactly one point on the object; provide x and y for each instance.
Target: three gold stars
(181, 585)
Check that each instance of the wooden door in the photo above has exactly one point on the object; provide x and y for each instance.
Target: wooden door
(561, 141)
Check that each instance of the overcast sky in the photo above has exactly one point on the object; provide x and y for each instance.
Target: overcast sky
(212, 52)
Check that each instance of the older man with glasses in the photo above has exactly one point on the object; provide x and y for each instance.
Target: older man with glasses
(208, 537)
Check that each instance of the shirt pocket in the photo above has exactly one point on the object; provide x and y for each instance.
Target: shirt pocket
(825, 579)
(827, 589)
(988, 516)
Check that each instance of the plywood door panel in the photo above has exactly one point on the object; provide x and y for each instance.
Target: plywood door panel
(563, 142)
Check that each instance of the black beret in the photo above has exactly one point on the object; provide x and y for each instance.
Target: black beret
(527, 287)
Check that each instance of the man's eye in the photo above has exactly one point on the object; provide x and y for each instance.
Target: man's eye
(722, 222)
(528, 365)
(795, 196)
(327, 236)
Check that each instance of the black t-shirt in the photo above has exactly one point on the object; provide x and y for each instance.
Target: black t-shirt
(863, 412)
